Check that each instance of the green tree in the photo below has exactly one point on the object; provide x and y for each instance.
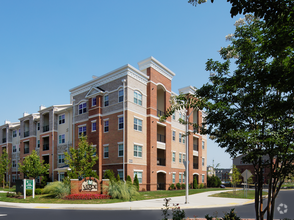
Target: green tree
(249, 111)
(136, 182)
(129, 180)
(32, 166)
(5, 164)
(236, 177)
(195, 184)
(109, 174)
(117, 178)
(81, 160)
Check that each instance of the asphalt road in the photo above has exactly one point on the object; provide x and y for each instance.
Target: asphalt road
(245, 211)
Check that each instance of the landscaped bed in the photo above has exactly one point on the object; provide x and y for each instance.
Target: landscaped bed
(239, 194)
(141, 196)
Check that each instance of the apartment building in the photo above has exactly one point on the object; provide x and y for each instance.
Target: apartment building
(120, 114)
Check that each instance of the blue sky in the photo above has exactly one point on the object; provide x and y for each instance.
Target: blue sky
(48, 47)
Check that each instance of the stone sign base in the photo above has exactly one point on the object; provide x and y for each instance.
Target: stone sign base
(88, 185)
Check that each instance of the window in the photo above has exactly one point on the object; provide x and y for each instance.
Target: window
(203, 145)
(61, 158)
(137, 151)
(106, 100)
(120, 122)
(120, 95)
(203, 176)
(62, 139)
(174, 177)
(38, 143)
(180, 178)
(19, 132)
(62, 118)
(184, 116)
(139, 175)
(14, 149)
(13, 178)
(137, 124)
(94, 101)
(180, 115)
(61, 177)
(174, 116)
(106, 126)
(184, 157)
(183, 178)
(105, 152)
(38, 126)
(120, 173)
(174, 135)
(82, 131)
(82, 108)
(174, 157)
(120, 150)
(14, 163)
(94, 126)
(180, 158)
(180, 137)
(14, 134)
(184, 138)
(203, 162)
(137, 98)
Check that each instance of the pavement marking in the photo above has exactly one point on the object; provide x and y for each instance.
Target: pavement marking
(249, 201)
(42, 207)
(2, 215)
(233, 203)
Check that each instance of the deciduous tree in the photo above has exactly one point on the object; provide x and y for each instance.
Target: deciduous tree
(32, 166)
(5, 164)
(81, 160)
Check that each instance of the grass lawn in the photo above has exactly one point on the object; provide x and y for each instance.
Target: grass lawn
(141, 196)
(239, 194)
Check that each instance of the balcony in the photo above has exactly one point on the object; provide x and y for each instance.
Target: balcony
(45, 147)
(195, 147)
(195, 165)
(160, 161)
(26, 150)
(160, 113)
(26, 133)
(4, 140)
(45, 128)
(161, 138)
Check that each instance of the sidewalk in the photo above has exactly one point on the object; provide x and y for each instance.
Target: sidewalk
(200, 200)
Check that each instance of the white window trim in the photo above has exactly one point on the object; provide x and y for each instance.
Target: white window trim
(137, 98)
(138, 125)
(120, 89)
(104, 126)
(175, 135)
(58, 157)
(118, 123)
(104, 100)
(61, 139)
(118, 149)
(104, 152)
(140, 145)
(80, 126)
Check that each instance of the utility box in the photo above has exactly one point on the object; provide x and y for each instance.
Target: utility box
(19, 186)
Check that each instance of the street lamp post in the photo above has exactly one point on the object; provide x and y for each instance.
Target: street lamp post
(187, 155)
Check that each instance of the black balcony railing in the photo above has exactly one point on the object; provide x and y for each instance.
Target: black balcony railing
(45, 128)
(161, 138)
(26, 133)
(3, 140)
(160, 186)
(195, 130)
(26, 150)
(195, 165)
(45, 146)
(161, 161)
(195, 147)
(160, 113)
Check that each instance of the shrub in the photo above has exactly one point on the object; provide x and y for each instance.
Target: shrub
(195, 184)
(177, 213)
(10, 195)
(231, 215)
(38, 191)
(172, 186)
(190, 186)
(136, 182)
(29, 192)
(57, 189)
(86, 196)
(44, 181)
(129, 180)
(121, 190)
(109, 174)
(201, 186)
(178, 185)
(183, 186)
(117, 178)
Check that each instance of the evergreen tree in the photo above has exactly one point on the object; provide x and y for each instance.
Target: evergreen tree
(136, 182)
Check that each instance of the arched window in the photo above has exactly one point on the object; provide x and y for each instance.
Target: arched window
(138, 98)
